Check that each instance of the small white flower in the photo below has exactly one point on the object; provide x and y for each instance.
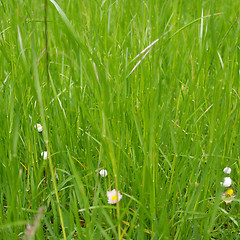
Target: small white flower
(227, 170)
(39, 127)
(227, 200)
(44, 155)
(228, 196)
(113, 196)
(227, 182)
(103, 173)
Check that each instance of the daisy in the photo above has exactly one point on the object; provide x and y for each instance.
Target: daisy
(228, 196)
(227, 170)
(113, 196)
(103, 173)
(227, 182)
(39, 127)
(44, 155)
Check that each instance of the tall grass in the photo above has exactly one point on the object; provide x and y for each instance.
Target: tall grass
(163, 124)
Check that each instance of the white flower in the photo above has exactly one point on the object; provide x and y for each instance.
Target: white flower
(103, 173)
(113, 196)
(228, 196)
(39, 127)
(44, 155)
(227, 170)
(227, 182)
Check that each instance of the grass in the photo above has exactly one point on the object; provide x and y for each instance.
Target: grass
(163, 124)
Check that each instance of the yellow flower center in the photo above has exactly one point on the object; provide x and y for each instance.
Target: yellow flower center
(229, 192)
(114, 198)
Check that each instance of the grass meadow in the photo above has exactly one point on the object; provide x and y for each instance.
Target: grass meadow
(147, 90)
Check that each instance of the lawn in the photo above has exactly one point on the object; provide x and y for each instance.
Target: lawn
(118, 119)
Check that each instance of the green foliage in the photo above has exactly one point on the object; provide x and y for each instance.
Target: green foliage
(163, 124)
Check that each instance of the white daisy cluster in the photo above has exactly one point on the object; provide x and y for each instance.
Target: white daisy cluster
(227, 181)
(228, 195)
(39, 128)
(113, 196)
